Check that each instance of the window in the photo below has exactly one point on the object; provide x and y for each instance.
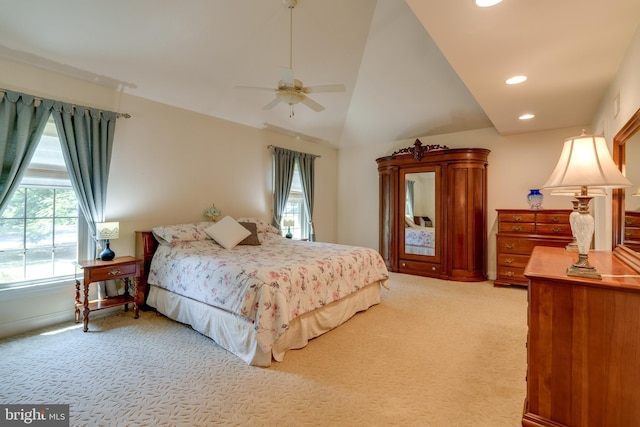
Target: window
(39, 227)
(294, 219)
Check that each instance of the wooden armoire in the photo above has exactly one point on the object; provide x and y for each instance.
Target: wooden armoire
(433, 211)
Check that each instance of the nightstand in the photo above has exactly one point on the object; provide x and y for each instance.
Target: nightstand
(97, 270)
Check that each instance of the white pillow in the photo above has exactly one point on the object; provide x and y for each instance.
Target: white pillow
(227, 232)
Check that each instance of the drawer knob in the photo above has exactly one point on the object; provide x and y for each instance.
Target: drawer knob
(555, 219)
(628, 222)
(556, 229)
(510, 273)
(510, 245)
(517, 218)
(404, 265)
(114, 272)
(627, 233)
(517, 228)
(509, 260)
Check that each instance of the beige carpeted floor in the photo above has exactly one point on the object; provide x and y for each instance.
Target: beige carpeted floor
(433, 353)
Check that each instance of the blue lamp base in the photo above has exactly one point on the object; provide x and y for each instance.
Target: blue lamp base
(107, 254)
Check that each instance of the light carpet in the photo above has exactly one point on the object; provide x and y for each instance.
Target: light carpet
(433, 353)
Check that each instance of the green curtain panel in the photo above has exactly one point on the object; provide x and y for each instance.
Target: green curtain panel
(86, 137)
(22, 121)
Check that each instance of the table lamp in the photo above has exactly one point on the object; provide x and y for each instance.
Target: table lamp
(585, 162)
(107, 231)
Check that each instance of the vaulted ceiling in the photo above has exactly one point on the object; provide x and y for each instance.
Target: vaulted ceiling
(411, 68)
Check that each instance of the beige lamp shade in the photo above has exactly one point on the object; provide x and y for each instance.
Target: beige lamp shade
(585, 161)
(637, 192)
(107, 230)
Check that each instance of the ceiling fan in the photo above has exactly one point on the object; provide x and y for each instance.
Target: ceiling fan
(289, 90)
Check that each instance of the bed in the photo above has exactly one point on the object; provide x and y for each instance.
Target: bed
(419, 240)
(264, 296)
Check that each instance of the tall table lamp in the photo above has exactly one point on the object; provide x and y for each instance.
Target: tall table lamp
(585, 162)
(107, 231)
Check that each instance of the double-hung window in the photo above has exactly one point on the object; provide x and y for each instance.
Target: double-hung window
(295, 219)
(39, 228)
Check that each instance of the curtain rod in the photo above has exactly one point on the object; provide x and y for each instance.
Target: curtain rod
(40, 99)
(282, 148)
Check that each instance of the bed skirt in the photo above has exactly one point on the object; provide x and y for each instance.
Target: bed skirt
(238, 336)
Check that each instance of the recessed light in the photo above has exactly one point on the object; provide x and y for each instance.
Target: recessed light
(515, 80)
(526, 116)
(487, 3)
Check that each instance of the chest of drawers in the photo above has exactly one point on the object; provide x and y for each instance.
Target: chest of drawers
(632, 230)
(519, 231)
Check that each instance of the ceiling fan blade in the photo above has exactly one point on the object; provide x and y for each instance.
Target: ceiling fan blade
(272, 104)
(324, 88)
(312, 104)
(270, 89)
(286, 75)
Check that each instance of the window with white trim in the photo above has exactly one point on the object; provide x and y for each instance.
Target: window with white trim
(294, 219)
(40, 226)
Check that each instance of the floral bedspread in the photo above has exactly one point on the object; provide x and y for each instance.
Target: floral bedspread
(423, 236)
(269, 284)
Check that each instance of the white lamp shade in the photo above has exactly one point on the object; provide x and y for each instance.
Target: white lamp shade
(585, 161)
(107, 230)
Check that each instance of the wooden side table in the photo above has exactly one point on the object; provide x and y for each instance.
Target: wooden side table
(97, 270)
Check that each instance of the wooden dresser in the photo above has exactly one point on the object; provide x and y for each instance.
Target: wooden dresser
(519, 231)
(632, 230)
(583, 349)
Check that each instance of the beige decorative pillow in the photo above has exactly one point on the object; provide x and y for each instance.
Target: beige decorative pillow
(227, 232)
(253, 238)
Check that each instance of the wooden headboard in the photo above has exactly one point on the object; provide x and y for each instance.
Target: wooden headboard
(146, 245)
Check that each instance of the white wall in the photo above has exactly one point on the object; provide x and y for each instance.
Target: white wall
(168, 165)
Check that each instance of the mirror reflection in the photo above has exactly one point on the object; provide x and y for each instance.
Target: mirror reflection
(420, 213)
(632, 195)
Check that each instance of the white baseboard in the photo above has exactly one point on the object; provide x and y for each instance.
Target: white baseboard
(33, 323)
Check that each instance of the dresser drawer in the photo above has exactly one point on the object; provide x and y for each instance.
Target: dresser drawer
(517, 217)
(99, 274)
(420, 268)
(631, 233)
(554, 229)
(511, 275)
(517, 227)
(514, 245)
(632, 221)
(553, 218)
(512, 260)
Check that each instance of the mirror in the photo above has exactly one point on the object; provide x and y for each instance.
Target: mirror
(626, 206)
(421, 218)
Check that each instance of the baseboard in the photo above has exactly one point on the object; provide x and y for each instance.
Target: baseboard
(26, 325)
(38, 322)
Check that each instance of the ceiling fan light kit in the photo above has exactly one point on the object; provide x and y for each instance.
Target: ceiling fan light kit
(292, 91)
